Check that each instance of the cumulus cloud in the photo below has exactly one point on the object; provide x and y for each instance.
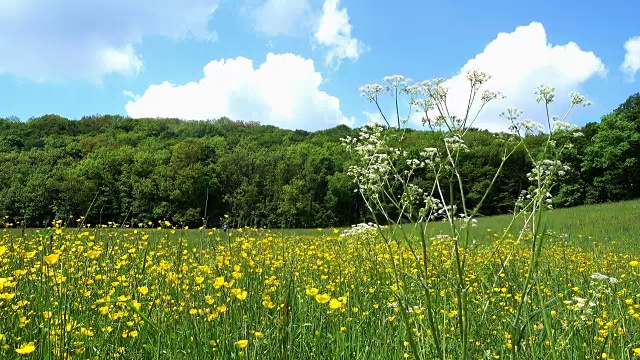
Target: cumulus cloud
(334, 33)
(519, 62)
(330, 27)
(283, 91)
(631, 64)
(280, 17)
(373, 118)
(76, 39)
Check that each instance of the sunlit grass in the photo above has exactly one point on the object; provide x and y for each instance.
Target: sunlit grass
(312, 294)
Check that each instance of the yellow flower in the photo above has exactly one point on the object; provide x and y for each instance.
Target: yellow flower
(51, 259)
(335, 304)
(633, 263)
(213, 343)
(636, 352)
(143, 290)
(241, 295)
(322, 298)
(93, 254)
(26, 349)
(7, 296)
(259, 335)
(242, 343)
(312, 292)
(218, 282)
(134, 333)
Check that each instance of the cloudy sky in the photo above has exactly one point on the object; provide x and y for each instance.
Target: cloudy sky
(299, 63)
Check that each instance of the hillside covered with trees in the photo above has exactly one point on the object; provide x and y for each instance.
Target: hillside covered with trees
(123, 170)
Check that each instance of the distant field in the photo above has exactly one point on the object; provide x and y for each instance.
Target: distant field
(615, 223)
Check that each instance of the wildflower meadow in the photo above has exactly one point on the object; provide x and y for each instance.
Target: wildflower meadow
(171, 294)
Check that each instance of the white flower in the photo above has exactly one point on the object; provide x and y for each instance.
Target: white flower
(600, 277)
(545, 94)
(477, 77)
(371, 91)
(578, 99)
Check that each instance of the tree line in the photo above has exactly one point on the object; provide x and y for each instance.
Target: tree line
(128, 171)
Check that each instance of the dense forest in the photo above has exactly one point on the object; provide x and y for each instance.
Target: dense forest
(129, 171)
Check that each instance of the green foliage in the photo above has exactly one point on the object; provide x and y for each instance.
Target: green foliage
(124, 170)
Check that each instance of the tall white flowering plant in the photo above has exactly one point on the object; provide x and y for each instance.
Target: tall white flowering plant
(386, 176)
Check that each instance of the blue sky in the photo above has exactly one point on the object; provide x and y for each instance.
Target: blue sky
(299, 63)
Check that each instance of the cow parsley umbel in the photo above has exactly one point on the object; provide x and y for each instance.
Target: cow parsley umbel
(430, 186)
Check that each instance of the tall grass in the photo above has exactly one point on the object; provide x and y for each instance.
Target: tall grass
(167, 294)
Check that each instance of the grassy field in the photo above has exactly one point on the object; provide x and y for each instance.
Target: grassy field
(617, 223)
(611, 224)
(313, 294)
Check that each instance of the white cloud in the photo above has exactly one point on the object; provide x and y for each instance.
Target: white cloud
(77, 39)
(130, 94)
(124, 61)
(330, 27)
(280, 17)
(282, 91)
(519, 62)
(631, 64)
(350, 122)
(373, 118)
(334, 33)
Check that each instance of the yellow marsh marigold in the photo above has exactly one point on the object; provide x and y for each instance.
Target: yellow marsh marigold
(242, 343)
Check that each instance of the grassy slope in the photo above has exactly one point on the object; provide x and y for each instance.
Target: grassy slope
(607, 224)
